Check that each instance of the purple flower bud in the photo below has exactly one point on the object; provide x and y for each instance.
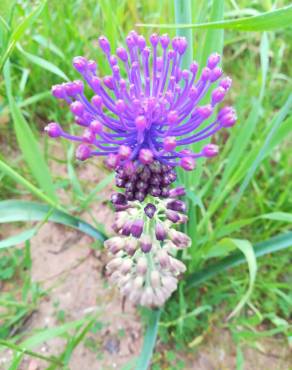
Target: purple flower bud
(182, 45)
(227, 117)
(118, 198)
(77, 108)
(188, 163)
(88, 136)
(172, 215)
(206, 73)
(150, 210)
(180, 239)
(169, 143)
(145, 244)
(194, 67)
(177, 192)
(104, 44)
(131, 246)
(140, 195)
(164, 41)
(96, 127)
(121, 106)
(137, 228)
(97, 101)
(160, 231)
(213, 60)
(124, 151)
(129, 168)
(216, 73)
(108, 81)
(146, 156)
(141, 42)
(210, 150)
(176, 205)
(154, 39)
(58, 91)
(154, 190)
(122, 54)
(80, 64)
(163, 258)
(126, 230)
(83, 152)
(115, 244)
(205, 111)
(112, 161)
(226, 83)
(218, 95)
(53, 129)
(140, 123)
(91, 65)
(172, 117)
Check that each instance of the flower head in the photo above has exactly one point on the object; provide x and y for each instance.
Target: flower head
(153, 113)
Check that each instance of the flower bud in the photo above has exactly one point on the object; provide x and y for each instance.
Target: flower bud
(210, 150)
(176, 205)
(137, 228)
(155, 279)
(53, 129)
(126, 266)
(142, 266)
(146, 156)
(163, 258)
(177, 192)
(83, 152)
(146, 243)
(180, 239)
(160, 231)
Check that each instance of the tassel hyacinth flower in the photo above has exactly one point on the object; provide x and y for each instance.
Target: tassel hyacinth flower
(142, 117)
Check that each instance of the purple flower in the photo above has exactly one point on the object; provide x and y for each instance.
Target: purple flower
(151, 115)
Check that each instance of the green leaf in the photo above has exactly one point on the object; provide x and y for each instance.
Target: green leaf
(20, 30)
(149, 340)
(271, 245)
(17, 239)
(7, 170)
(247, 249)
(14, 347)
(28, 144)
(44, 64)
(16, 210)
(272, 20)
(278, 216)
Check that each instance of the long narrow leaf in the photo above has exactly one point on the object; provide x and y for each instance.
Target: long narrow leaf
(149, 340)
(17, 239)
(274, 244)
(28, 143)
(272, 20)
(20, 30)
(16, 210)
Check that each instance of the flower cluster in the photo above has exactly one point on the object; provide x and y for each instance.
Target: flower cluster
(153, 113)
(142, 117)
(143, 263)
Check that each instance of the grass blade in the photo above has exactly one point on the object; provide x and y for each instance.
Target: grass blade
(271, 245)
(16, 210)
(149, 340)
(248, 252)
(272, 20)
(7, 170)
(20, 30)
(28, 144)
(17, 239)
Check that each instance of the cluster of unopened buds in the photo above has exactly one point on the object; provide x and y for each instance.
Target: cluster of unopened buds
(142, 125)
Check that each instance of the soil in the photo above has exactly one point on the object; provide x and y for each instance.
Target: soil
(66, 265)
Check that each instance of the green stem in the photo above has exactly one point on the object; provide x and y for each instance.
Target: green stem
(149, 340)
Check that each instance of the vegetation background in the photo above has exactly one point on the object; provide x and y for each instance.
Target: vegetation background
(241, 200)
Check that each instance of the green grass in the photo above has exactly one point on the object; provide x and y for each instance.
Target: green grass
(243, 194)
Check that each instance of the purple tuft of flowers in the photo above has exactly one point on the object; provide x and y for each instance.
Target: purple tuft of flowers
(153, 113)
